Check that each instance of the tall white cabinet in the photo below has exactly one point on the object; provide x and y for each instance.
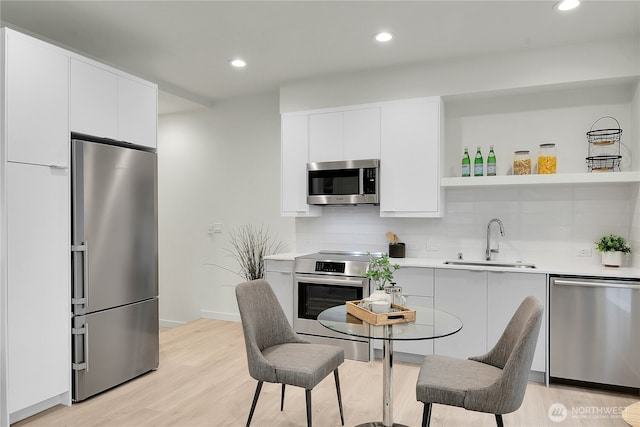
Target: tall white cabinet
(35, 226)
(47, 93)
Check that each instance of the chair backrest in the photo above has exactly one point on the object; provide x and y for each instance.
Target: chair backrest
(513, 353)
(264, 325)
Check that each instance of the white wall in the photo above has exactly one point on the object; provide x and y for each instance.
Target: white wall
(522, 69)
(218, 165)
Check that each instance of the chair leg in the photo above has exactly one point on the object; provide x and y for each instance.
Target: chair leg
(308, 396)
(255, 400)
(282, 399)
(499, 420)
(426, 415)
(337, 378)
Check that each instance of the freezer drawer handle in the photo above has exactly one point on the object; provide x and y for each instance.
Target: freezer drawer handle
(82, 331)
(603, 284)
(85, 272)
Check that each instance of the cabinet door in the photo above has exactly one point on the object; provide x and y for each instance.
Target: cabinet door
(410, 159)
(38, 262)
(293, 181)
(506, 291)
(464, 294)
(37, 93)
(417, 286)
(361, 134)
(279, 274)
(137, 112)
(326, 137)
(94, 100)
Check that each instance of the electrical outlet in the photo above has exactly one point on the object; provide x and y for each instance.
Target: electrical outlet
(308, 243)
(432, 245)
(584, 252)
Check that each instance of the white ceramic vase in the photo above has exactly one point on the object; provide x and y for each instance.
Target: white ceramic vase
(612, 259)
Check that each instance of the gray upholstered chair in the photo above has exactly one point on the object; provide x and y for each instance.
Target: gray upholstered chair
(495, 382)
(275, 353)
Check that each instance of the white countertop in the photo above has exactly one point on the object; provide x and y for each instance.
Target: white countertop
(541, 268)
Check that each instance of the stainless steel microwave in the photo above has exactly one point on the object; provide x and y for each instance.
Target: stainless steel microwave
(349, 182)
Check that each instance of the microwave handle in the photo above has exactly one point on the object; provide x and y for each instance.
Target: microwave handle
(361, 180)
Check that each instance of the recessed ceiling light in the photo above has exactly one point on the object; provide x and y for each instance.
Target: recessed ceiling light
(238, 63)
(383, 37)
(567, 4)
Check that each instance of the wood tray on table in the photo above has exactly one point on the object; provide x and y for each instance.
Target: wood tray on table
(399, 315)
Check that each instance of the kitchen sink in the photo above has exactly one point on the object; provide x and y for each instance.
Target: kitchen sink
(482, 263)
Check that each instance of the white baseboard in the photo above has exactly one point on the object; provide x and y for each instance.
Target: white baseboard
(164, 323)
(61, 399)
(216, 315)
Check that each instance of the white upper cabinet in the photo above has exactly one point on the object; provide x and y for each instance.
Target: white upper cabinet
(325, 137)
(94, 100)
(137, 112)
(36, 101)
(411, 153)
(107, 104)
(344, 135)
(293, 179)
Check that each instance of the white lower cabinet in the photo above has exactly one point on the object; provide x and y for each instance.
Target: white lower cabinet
(505, 293)
(463, 293)
(279, 274)
(417, 287)
(486, 301)
(38, 265)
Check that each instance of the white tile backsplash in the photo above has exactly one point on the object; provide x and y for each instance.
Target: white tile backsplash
(546, 223)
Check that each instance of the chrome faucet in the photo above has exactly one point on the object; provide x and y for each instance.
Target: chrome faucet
(490, 251)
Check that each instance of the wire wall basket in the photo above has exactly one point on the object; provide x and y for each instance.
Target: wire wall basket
(603, 163)
(604, 147)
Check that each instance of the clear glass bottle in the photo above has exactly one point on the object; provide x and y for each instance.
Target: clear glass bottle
(547, 160)
(491, 162)
(478, 164)
(466, 163)
(522, 163)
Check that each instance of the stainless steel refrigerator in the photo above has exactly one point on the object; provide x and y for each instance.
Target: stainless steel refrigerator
(114, 264)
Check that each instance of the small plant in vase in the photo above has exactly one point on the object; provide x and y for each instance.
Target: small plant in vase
(380, 273)
(612, 247)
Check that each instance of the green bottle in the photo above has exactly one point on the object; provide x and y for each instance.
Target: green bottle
(466, 163)
(478, 164)
(491, 162)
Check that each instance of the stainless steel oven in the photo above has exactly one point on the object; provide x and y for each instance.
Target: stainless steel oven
(324, 280)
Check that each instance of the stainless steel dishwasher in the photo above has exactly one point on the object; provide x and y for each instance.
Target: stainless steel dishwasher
(595, 330)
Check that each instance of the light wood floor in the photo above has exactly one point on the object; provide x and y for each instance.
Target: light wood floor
(203, 381)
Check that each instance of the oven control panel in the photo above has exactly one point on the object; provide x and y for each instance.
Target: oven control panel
(330, 267)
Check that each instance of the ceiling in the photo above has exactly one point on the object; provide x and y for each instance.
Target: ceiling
(185, 46)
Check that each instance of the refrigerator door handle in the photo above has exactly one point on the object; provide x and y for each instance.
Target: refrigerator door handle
(85, 272)
(82, 331)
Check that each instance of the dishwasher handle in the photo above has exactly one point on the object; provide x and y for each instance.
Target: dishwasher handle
(602, 284)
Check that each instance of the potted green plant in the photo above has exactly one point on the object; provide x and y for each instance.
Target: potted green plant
(380, 273)
(612, 247)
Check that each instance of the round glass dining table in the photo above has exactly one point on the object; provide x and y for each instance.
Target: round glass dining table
(430, 324)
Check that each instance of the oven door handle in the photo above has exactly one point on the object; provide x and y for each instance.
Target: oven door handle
(329, 281)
